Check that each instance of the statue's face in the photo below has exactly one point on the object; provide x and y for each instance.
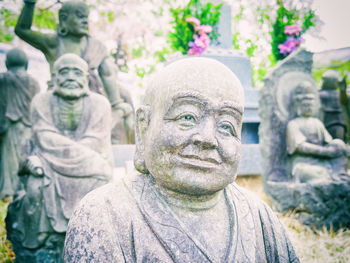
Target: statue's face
(77, 22)
(71, 81)
(193, 142)
(305, 100)
(307, 105)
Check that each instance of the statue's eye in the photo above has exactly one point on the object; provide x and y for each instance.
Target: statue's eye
(63, 72)
(78, 73)
(226, 128)
(187, 119)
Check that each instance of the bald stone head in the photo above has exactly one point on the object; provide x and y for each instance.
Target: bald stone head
(73, 18)
(189, 128)
(195, 75)
(16, 58)
(330, 80)
(304, 99)
(71, 76)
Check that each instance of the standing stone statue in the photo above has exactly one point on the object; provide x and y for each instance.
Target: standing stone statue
(71, 156)
(332, 115)
(183, 206)
(72, 37)
(305, 169)
(17, 89)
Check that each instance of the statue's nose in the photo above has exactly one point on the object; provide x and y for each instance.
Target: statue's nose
(206, 134)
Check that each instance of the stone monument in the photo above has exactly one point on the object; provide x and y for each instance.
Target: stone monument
(72, 37)
(71, 156)
(332, 115)
(304, 168)
(17, 89)
(222, 50)
(183, 204)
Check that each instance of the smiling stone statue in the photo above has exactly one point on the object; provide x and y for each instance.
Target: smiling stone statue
(71, 156)
(184, 206)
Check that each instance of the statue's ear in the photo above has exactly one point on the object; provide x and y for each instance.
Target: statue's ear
(143, 116)
(62, 27)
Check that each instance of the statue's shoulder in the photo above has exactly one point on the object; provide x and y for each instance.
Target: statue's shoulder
(111, 197)
(254, 201)
(100, 101)
(41, 99)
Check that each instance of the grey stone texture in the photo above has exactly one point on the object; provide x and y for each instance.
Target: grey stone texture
(17, 88)
(181, 205)
(72, 37)
(71, 155)
(304, 168)
(331, 111)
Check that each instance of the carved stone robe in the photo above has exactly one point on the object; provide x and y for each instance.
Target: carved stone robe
(129, 221)
(17, 91)
(308, 167)
(74, 163)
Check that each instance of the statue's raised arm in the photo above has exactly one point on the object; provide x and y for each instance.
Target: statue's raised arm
(23, 29)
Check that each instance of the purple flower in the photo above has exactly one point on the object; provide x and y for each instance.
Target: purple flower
(289, 45)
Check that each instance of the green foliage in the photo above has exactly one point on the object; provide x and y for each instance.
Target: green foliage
(288, 17)
(342, 67)
(7, 23)
(6, 253)
(43, 19)
(182, 31)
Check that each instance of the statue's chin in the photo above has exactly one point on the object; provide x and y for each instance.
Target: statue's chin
(71, 94)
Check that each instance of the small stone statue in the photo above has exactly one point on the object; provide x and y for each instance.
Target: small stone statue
(72, 37)
(332, 115)
(183, 206)
(305, 169)
(315, 155)
(71, 156)
(17, 89)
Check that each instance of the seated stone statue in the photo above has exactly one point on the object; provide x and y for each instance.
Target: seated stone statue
(315, 156)
(17, 88)
(71, 156)
(183, 205)
(72, 37)
(304, 168)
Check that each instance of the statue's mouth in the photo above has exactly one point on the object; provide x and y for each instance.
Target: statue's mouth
(71, 85)
(195, 161)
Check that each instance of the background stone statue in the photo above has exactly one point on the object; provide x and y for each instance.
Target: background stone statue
(305, 169)
(17, 89)
(314, 154)
(183, 206)
(332, 115)
(72, 37)
(71, 156)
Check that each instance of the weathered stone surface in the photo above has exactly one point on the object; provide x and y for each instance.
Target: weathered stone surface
(182, 205)
(302, 163)
(72, 37)
(331, 111)
(71, 156)
(17, 89)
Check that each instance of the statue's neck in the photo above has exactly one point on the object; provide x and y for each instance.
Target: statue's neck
(190, 202)
(70, 112)
(75, 38)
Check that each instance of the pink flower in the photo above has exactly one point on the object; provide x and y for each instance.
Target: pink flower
(292, 29)
(193, 51)
(204, 29)
(193, 20)
(205, 39)
(198, 41)
(289, 45)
